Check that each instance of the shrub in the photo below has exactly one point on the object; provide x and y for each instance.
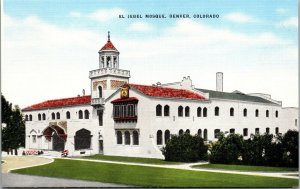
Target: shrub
(185, 148)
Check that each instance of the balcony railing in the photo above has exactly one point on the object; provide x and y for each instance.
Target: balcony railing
(97, 101)
(108, 71)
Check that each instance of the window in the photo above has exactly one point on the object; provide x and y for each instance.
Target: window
(231, 112)
(158, 110)
(68, 115)
(268, 130)
(83, 139)
(100, 91)
(245, 112)
(204, 112)
(33, 138)
(39, 117)
(187, 111)
(57, 115)
(53, 115)
(166, 110)
(276, 113)
(127, 138)
(44, 116)
(245, 132)
(187, 131)
(217, 111)
(167, 136)
(159, 137)
(232, 131)
(30, 117)
(256, 130)
(256, 113)
(199, 133)
(119, 137)
(180, 111)
(135, 138)
(80, 114)
(296, 122)
(276, 130)
(125, 111)
(180, 132)
(26, 117)
(100, 117)
(267, 113)
(217, 133)
(86, 114)
(199, 112)
(205, 134)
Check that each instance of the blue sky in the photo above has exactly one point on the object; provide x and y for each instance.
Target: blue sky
(57, 42)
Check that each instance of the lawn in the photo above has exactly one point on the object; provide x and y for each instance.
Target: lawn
(246, 167)
(130, 159)
(150, 176)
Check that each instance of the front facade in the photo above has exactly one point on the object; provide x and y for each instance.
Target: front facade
(124, 119)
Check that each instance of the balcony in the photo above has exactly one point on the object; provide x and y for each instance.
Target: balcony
(97, 101)
(109, 71)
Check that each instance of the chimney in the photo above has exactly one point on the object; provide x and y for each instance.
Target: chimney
(219, 81)
(83, 92)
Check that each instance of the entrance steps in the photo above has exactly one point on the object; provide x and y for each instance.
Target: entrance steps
(51, 153)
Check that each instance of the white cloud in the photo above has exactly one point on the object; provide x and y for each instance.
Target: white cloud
(239, 17)
(289, 23)
(281, 10)
(103, 15)
(140, 26)
(75, 14)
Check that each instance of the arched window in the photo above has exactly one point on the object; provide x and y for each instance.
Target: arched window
(217, 111)
(57, 115)
(100, 91)
(232, 131)
(276, 113)
(267, 113)
(204, 112)
(276, 130)
(166, 110)
(68, 115)
(83, 139)
(30, 117)
(159, 137)
(127, 138)
(180, 111)
(180, 132)
(158, 110)
(119, 137)
(256, 130)
(167, 136)
(44, 116)
(231, 112)
(245, 132)
(187, 131)
(256, 113)
(135, 138)
(80, 114)
(267, 130)
(245, 112)
(53, 115)
(217, 133)
(39, 117)
(187, 111)
(199, 133)
(205, 134)
(86, 114)
(26, 117)
(199, 112)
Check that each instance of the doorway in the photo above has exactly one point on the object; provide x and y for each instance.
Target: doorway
(58, 143)
(100, 146)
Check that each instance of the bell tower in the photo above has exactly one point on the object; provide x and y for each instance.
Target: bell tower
(108, 78)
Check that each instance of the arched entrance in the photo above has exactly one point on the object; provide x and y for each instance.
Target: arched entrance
(58, 136)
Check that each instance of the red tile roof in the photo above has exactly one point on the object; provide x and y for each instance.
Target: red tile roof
(165, 92)
(108, 46)
(130, 99)
(60, 103)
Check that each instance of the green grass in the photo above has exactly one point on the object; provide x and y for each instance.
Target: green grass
(246, 167)
(150, 176)
(130, 159)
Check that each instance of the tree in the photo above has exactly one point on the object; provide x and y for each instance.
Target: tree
(13, 134)
(291, 149)
(185, 148)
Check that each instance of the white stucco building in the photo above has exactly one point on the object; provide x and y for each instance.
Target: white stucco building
(124, 119)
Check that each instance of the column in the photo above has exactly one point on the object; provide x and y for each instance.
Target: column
(123, 137)
(131, 137)
(111, 61)
(104, 62)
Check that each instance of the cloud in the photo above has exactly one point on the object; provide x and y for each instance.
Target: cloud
(140, 26)
(289, 23)
(75, 14)
(239, 17)
(104, 15)
(281, 10)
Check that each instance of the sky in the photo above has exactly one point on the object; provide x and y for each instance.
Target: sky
(48, 47)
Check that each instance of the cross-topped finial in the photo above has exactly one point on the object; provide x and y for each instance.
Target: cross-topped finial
(108, 36)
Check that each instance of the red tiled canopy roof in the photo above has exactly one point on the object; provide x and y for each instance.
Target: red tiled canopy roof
(61, 102)
(108, 46)
(165, 92)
